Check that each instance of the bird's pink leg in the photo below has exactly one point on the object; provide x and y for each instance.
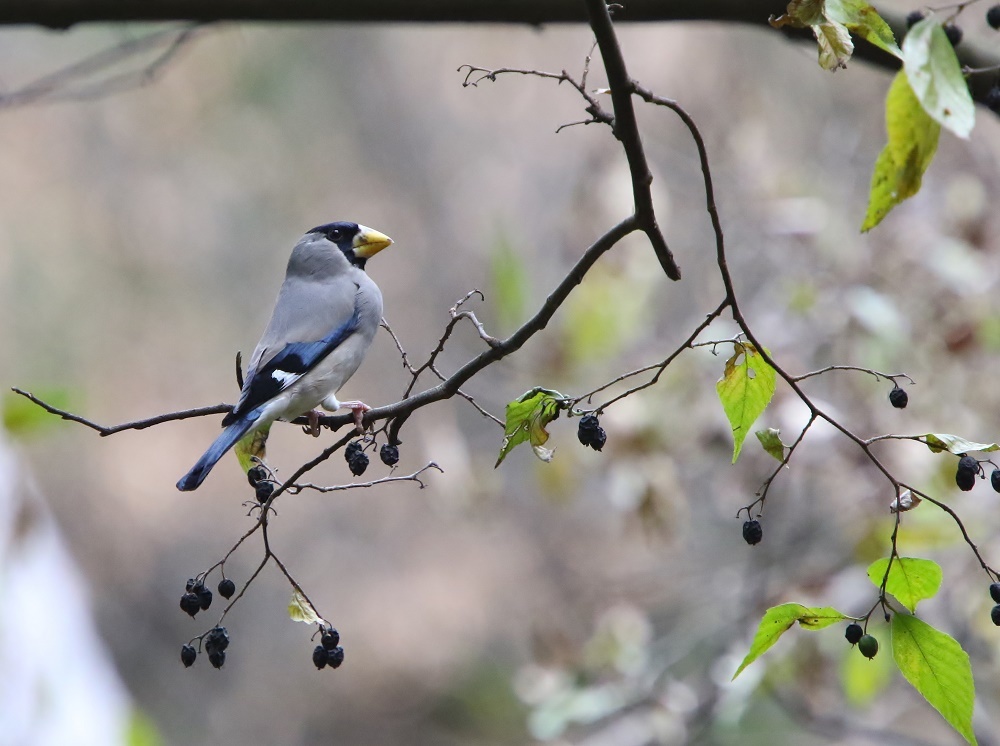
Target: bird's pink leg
(313, 427)
(358, 408)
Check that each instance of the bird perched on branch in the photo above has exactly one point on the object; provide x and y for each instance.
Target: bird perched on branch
(324, 320)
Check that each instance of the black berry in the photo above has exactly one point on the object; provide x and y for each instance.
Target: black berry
(969, 464)
(995, 592)
(217, 640)
(227, 588)
(204, 598)
(190, 603)
(954, 34)
(898, 398)
(995, 615)
(353, 448)
(256, 475)
(993, 17)
(264, 491)
(588, 427)
(188, 654)
(965, 477)
(335, 657)
(330, 639)
(598, 439)
(914, 18)
(389, 454)
(868, 646)
(191, 584)
(358, 464)
(854, 633)
(752, 532)
(217, 659)
(992, 99)
(995, 480)
(965, 480)
(320, 657)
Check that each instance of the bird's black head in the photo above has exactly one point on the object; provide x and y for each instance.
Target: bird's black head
(358, 242)
(342, 235)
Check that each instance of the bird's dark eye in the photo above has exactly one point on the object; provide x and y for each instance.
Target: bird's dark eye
(336, 234)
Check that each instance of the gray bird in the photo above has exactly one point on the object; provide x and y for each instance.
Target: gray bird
(324, 320)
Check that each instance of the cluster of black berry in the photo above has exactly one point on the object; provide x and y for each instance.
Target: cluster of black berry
(968, 470)
(356, 458)
(590, 433)
(216, 641)
(898, 398)
(995, 611)
(196, 597)
(328, 652)
(867, 644)
(257, 476)
(752, 532)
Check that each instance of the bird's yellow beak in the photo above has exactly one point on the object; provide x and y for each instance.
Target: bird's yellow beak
(369, 242)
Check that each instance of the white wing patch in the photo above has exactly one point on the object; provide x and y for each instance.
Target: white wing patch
(284, 377)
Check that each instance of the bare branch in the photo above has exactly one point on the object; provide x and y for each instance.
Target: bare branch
(878, 375)
(626, 129)
(294, 489)
(105, 430)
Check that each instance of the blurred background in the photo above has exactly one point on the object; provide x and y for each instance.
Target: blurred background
(600, 599)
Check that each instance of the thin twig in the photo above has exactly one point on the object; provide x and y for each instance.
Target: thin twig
(878, 375)
(659, 367)
(105, 430)
(294, 489)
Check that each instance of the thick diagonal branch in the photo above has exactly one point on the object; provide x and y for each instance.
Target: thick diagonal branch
(626, 129)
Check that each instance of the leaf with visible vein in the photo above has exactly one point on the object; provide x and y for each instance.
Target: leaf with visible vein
(910, 580)
(937, 667)
(912, 141)
(526, 419)
(745, 390)
(778, 619)
(935, 75)
(938, 442)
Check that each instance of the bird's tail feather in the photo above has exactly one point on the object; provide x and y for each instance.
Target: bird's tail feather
(226, 440)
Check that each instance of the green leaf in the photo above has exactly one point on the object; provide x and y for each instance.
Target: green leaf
(770, 439)
(910, 580)
(937, 667)
(832, 23)
(745, 390)
(778, 619)
(835, 45)
(935, 75)
(938, 442)
(912, 142)
(526, 419)
(862, 19)
(300, 610)
(251, 447)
